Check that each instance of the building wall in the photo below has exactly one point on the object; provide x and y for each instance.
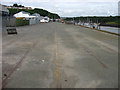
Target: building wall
(4, 22)
(0, 24)
(3, 16)
(37, 20)
(32, 21)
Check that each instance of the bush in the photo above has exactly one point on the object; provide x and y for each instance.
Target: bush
(21, 22)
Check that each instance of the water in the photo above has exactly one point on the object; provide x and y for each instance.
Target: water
(105, 28)
(110, 29)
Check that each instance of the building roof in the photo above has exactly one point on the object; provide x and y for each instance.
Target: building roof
(36, 14)
(23, 14)
(46, 17)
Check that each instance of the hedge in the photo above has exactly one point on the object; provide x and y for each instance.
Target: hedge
(21, 22)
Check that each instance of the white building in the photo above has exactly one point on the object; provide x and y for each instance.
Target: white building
(38, 17)
(26, 16)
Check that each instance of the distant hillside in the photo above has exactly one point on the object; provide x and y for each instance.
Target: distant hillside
(42, 12)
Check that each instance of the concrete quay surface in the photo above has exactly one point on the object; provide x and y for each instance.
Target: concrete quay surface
(56, 55)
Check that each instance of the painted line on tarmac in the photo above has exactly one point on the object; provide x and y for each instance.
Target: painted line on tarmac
(4, 82)
(57, 63)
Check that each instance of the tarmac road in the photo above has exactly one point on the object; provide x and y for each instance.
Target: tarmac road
(55, 55)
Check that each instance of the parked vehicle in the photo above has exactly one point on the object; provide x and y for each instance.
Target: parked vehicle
(45, 20)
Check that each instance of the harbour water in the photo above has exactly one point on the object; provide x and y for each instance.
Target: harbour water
(110, 29)
(105, 28)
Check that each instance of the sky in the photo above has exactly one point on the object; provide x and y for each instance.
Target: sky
(72, 8)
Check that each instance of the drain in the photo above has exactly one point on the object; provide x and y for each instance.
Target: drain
(5, 75)
(65, 80)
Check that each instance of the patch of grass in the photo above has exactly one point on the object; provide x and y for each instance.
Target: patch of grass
(112, 23)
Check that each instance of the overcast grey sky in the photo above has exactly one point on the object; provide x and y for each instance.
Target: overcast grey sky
(70, 8)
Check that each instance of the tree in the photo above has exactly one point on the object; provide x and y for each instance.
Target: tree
(15, 5)
(21, 6)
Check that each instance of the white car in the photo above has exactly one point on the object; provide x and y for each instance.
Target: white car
(44, 20)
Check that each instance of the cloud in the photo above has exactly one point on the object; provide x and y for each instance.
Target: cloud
(72, 7)
(38, 1)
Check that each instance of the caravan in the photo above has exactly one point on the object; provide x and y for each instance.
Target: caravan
(45, 20)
